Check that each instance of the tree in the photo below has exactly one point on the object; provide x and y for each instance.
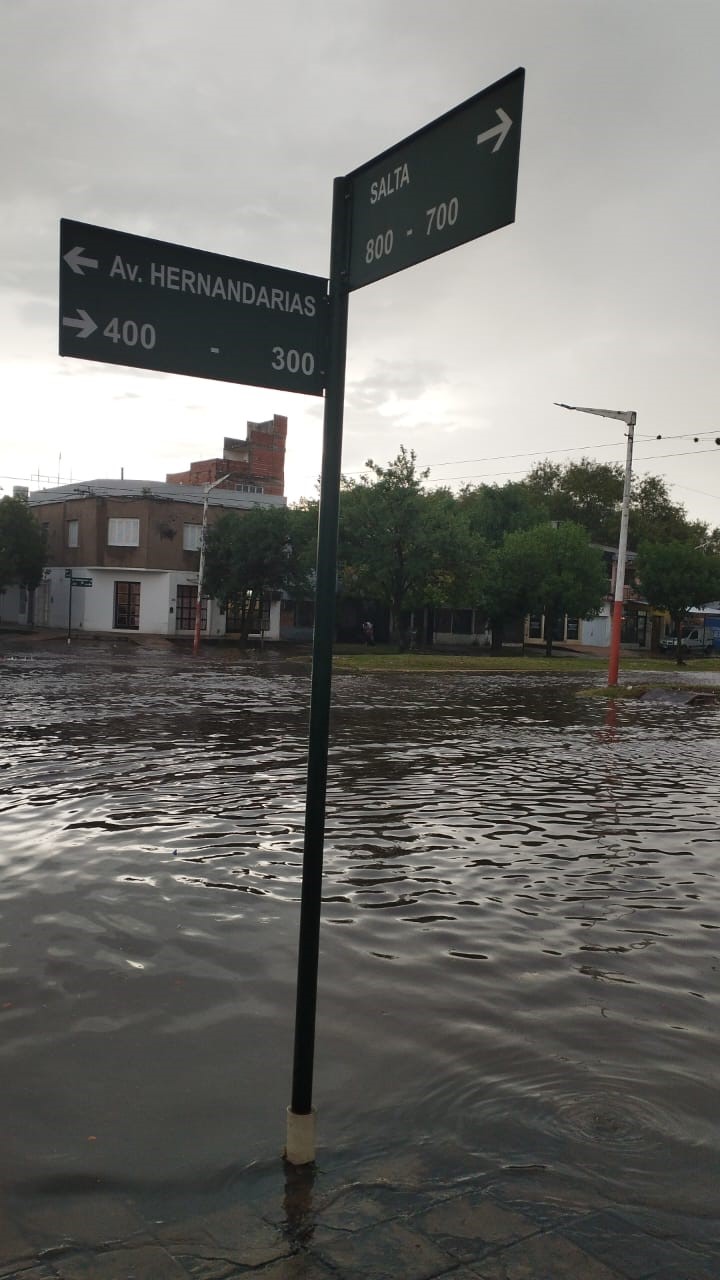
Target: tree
(654, 517)
(586, 493)
(301, 548)
(552, 570)
(252, 554)
(677, 577)
(492, 511)
(590, 494)
(23, 552)
(401, 546)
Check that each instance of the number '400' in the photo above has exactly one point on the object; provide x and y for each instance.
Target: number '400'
(130, 333)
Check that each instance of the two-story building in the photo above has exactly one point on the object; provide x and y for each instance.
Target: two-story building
(123, 555)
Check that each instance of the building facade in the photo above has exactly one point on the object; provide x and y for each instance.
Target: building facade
(123, 556)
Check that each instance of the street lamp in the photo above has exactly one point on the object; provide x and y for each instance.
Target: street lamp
(201, 566)
(629, 417)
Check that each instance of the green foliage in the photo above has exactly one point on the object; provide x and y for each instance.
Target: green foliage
(586, 493)
(677, 576)
(654, 517)
(590, 494)
(494, 547)
(401, 546)
(493, 510)
(552, 570)
(301, 548)
(22, 545)
(250, 554)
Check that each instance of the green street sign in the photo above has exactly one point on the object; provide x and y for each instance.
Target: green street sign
(81, 582)
(129, 300)
(452, 181)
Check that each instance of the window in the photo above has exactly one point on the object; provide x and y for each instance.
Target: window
(305, 613)
(462, 622)
(72, 532)
(629, 629)
(185, 606)
(123, 532)
(192, 537)
(572, 630)
(126, 614)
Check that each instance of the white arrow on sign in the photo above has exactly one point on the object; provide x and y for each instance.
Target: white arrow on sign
(499, 131)
(85, 325)
(76, 262)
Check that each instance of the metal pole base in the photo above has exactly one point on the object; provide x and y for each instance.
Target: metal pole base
(300, 1147)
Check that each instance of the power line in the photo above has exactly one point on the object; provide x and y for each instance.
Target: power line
(522, 470)
(535, 453)
(37, 477)
(544, 453)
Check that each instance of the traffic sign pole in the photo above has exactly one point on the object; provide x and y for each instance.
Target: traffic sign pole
(300, 1146)
(419, 199)
(128, 300)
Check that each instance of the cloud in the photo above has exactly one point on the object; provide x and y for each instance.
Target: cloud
(393, 382)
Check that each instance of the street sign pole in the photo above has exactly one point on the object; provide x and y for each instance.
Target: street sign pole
(435, 190)
(300, 1146)
(70, 609)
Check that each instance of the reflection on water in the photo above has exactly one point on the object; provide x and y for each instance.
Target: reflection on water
(520, 947)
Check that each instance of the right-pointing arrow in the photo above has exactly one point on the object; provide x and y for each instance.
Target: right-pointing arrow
(85, 325)
(499, 131)
(76, 262)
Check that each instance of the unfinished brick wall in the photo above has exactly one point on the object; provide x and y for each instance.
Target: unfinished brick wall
(259, 460)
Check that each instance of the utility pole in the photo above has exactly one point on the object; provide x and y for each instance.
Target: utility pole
(629, 417)
(201, 566)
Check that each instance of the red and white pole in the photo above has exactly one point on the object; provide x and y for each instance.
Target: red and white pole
(629, 417)
(619, 600)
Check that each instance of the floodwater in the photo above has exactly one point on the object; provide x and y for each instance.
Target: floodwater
(520, 953)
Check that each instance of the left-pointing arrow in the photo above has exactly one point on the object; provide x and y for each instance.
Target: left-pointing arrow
(76, 262)
(85, 325)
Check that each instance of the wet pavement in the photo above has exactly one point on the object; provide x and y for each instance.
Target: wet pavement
(318, 1225)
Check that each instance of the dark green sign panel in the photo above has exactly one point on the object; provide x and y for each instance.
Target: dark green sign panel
(450, 182)
(129, 300)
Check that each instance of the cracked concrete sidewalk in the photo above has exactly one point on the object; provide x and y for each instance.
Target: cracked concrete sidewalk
(384, 1224)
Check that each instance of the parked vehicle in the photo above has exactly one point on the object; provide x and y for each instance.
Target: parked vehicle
(692, 640)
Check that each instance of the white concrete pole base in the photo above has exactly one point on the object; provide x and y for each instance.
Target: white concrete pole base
(300, 1147)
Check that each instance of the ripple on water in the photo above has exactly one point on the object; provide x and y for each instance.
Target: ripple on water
(519, 950)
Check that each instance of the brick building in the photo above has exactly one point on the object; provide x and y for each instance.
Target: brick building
(135, 547)
(253, 465)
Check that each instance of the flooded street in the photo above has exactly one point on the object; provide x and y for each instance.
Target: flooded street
(520, 953)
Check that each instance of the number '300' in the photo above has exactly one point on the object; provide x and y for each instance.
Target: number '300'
(293, 361)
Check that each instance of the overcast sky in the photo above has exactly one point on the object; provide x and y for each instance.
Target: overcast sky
(220, 124)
